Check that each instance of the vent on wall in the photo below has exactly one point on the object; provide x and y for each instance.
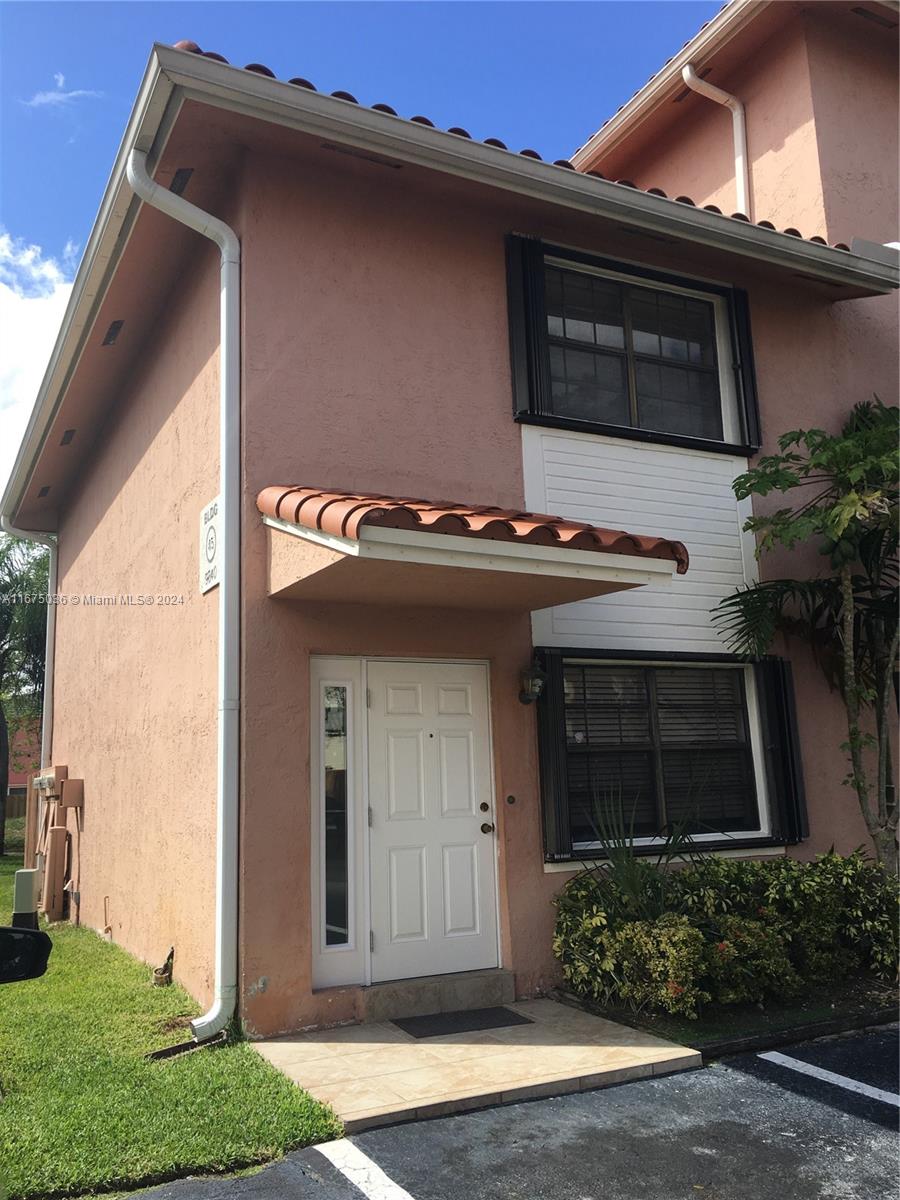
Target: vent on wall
(372, 158)
(878, 18)
(112, 333)
(67, 437)
(45, 491)
(180, 180)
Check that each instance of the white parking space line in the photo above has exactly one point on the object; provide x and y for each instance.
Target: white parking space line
(361, 1171)
(843, 1081)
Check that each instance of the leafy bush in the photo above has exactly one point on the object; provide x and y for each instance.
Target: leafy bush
(837, 914)
(725, 930)
(749, 962)
(653, 964)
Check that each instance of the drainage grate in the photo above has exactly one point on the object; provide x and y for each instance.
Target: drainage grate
(470, 1021)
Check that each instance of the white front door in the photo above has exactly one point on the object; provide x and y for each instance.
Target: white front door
(432, 850)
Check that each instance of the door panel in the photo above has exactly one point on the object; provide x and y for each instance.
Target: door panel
(433, 898)
(460, 879)
(409, 915)
(456, 750)
(405, 774)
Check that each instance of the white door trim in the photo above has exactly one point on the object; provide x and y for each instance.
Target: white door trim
(346, 966)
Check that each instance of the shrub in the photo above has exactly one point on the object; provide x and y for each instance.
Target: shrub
(581, 919)
(655, 963)
(659, 964)
(837, 914)
(731, 930)
(749, 962)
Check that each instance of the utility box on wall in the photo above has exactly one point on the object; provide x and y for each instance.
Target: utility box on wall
(71, 793)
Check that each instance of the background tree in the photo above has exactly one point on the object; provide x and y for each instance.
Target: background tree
(23, 619)
(849, 616)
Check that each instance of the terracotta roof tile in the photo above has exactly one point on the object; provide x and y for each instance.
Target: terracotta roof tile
(344, 513)
(560, 164)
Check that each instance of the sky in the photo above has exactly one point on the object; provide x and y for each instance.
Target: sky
(539, 74)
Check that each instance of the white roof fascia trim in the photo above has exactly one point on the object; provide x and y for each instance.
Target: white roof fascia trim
(720, 30)
(447, 550)
(107, 240)
(275, 101)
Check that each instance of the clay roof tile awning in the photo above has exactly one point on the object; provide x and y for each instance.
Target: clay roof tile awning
(524, 559)
(343, 514)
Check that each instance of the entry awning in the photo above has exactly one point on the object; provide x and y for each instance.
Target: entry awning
(352, 547)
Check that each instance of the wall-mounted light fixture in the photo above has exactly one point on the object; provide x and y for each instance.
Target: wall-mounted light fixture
(533, 679)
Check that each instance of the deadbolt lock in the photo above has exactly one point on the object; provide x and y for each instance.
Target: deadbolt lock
(487, 828)
(484, 806)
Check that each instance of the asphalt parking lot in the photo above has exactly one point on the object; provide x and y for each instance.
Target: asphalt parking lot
(813, 1121)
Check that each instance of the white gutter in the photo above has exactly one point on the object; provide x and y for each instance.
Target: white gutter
(44, 539)
(739, 127)
(225, 995)
(334, 120)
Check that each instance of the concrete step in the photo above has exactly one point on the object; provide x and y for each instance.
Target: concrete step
(428, 994)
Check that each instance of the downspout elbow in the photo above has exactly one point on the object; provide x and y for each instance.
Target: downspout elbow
(739, 129)
(180, 209)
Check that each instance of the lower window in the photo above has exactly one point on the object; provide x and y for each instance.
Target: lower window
(657, 748)
(642, 749)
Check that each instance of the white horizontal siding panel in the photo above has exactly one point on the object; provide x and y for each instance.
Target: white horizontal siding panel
(610, 479)
(663, 491)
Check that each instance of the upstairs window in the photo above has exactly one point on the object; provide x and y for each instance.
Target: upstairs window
(613, 350)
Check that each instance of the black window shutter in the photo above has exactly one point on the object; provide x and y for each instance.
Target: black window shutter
(784, 769)
(527, 324)
(552, 749)
(746, 368)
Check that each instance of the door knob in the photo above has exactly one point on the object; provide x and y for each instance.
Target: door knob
(487, 828)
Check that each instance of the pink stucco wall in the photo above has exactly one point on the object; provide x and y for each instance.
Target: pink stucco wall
(376, 357)
(854, 92)
(695, 156)
(135, 713)
(820, 99)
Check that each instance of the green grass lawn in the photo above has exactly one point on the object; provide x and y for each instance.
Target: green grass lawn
(83, 1111)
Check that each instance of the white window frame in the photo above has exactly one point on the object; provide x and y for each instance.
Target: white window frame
(757, 749)
(341, 965)
(728, 395)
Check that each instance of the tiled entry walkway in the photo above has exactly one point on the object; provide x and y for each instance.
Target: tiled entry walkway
(377, 1074)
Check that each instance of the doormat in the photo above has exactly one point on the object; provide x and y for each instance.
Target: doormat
(470, 1021)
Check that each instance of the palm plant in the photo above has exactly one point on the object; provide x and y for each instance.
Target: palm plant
(633, 886)
(848, 617)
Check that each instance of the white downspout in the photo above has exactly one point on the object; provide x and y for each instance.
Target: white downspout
(741, 163)
(47, 540)
(225, 995)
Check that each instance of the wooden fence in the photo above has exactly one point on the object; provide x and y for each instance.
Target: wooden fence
(15, 805)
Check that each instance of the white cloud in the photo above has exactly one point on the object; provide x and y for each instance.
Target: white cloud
(59, 79)
(34, 292)
(60, 99)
